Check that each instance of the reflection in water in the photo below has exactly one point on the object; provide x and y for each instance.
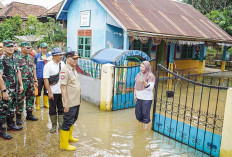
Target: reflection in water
(100, 133)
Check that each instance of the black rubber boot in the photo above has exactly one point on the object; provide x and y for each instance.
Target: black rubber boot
(3, 133)
(11, 124)
(18, 119)
(30, 116)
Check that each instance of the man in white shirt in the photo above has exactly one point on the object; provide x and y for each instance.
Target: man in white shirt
(52, 83)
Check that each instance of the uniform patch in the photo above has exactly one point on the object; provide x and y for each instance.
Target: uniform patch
(62, 77)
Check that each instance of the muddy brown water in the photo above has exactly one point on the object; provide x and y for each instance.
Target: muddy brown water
(100, 133)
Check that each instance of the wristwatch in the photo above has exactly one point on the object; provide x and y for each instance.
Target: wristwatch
(4, 90)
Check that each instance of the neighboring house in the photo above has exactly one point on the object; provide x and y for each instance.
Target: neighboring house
(52, 13)
(167, 30)
(22, 9)
(1, 5)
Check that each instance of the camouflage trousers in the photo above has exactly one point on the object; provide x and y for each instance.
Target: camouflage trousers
(7, 107)
(28, 95)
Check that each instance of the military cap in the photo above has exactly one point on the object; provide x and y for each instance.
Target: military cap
(44, 45)
(72, 54)
(8, 43)
(26, 44)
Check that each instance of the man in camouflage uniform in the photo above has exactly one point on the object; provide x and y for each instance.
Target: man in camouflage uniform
(27, 68)
(16, 49)
(10, 77)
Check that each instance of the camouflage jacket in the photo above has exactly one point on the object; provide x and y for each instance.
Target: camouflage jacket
(26, 66)
(9, 69)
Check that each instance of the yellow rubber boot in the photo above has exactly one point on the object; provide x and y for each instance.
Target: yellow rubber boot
(37, 103)
(45, 101)
(71, 138)
(64, 135)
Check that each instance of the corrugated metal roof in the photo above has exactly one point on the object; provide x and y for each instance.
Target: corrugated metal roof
(164, 18)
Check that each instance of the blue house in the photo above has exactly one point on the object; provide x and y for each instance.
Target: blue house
(170, 31)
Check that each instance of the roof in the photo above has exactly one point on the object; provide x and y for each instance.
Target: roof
(117, 56)
(1, 5)
(22, 9)
(63, 11)
(159, 18)
(53, 11)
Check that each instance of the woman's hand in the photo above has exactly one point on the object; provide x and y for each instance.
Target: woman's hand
(144, 82)
(135, 98)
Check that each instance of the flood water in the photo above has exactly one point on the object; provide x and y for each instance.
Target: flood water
(100, 133)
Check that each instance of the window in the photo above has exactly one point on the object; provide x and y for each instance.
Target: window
(84, 43)
(187, 52)
(138, 45)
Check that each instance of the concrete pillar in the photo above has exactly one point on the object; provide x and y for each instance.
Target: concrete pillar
(126, 41)
(203, 49)
(223, 66)
(226, 146)
(107, 83)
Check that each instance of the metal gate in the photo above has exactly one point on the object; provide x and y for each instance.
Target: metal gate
(124, 81)
(189, 110)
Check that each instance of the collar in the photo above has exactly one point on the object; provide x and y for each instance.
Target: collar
(8, 57)
(54, 62)
(24, 55)
(69, 67)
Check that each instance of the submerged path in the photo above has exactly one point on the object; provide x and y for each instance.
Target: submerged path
(100, 134)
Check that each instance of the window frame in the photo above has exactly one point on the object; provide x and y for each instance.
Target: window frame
(84, 55)
(140, 46)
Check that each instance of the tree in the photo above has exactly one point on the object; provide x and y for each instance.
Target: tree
(52, 30)
(10, 28)
(222, 18)
(206, 6)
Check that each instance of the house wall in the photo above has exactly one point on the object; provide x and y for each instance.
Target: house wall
(187, 64)
(90, 89)
(114, 37)
(97, 24)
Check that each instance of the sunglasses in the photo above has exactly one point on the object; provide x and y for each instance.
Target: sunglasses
(44, 48)
(28, 47)
(10, 46)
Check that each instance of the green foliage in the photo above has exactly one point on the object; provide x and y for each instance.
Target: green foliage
(222, 18)
(10, 28)
(206, 6)
(218, 11)
(52, 30)
(211, 51)
(230, 50)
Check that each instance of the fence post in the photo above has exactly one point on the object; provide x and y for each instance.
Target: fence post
(203, 49)
(226, 146)
(107, 83)
(224, 58)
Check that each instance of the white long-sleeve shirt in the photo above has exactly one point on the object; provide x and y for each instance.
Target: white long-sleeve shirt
(147, 93)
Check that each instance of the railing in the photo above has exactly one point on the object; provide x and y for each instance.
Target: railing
(90, 68)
